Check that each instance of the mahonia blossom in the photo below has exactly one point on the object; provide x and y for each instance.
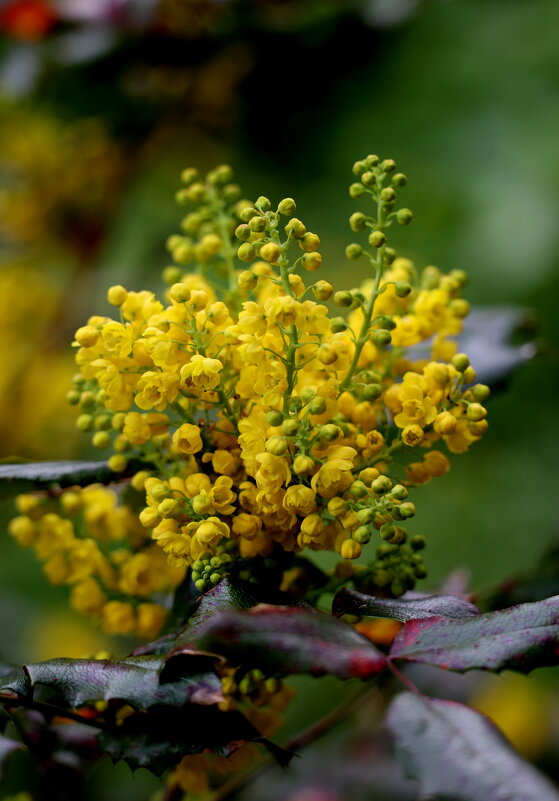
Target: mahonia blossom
(266, 423)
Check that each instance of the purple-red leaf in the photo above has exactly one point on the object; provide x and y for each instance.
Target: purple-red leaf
(457, 754)
(349, 601)
(520, 638)
(289, 639)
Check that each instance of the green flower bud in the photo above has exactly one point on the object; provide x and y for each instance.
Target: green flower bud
(382, 337)
(274, 418)
(366, 515)
(343, 299)
(85, 422)
(377, 239)
(338, 324)
(387, 195)
(402, 288)
(388, 165)
(287, 207)
(322, 290)
(295, 228)
(369, 377)
(222, 174)
(290, 427)
(189, 175)
(460, 276)
(329, 432)
(372, 391)
(247, 213)
(73, 397)
(481, 392)
(358, 489)
(399, 492)
(358, 221)
(295, 405)
(247, 280)
(404, 216)
(200, 585)
(389, 255)
(387, 532)
(386, 322)
(420, 571)
(356, 191)
(307, 393)
(368, 178)
(406, 509)
(102, 422)
(276, 445)
(246, 252)
(101, 439)
(460, 362)
(263, 204)
(172, 274)
(257, 225)
(399, 179)
(242, 232)
(359, 168)
(317, 405)
(372, 161)
(231, 193)
(353, 251)
(381, 485)
(362, 535)
(417, 542)
(215, 578)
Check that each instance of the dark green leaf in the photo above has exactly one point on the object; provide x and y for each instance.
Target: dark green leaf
(158, 740)
(16, 478)
(457, 754)
(288, 639)
(349, 601)
(134, 680)
(520, 638)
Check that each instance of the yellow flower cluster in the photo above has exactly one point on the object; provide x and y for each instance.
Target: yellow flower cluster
(98, 548)
(266, 420)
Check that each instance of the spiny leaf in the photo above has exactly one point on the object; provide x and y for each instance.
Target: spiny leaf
(349, 601)
(29, 476)
(287, 639)
(158, 740)
(134, 680)
(520, 638)
(457, 754)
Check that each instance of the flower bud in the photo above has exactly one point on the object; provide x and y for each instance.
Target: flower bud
(242, 232)
(480, 392)
(317, 405)
(366, 515)
(247, 280)
(327, 355)
(276, 445)
(359, 168)
(404, 216)
(246, 252)
(350, 549)
(356, 191)
(377, 239)
(180, 293)
(358, 489)
(309, 242)
(270, 252)
(402, 288)
(263, 204)
(476, 412)
(322, 290)
(118, 462)
(287, 207)
(295, 228)
(101, 439)
(330, 432)
(201, 504)
(358, 221)
(399, 179)
(289, 427)
(338, 324)
(311, 261)
(368, 178)
(460, 362)
(116, 295)
(368, 475)
(353, 251)
(343, 299)
(388, 195)
(337, 506)
(168, 508)
(406, 509)
(372, 391)
(382, 337)
(381, 485)
(257, 225)
(362, 535)
(85, 422)
(302, 465)
(274, 418)
(87, 336)
(388, 165)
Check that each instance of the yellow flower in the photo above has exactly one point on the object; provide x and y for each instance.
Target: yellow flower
(417, 408)
(118, 617)
(136, 428)
(156, 390)
(299, 500)
(87, 596)
(246, 525)
(202, 371)
(187, 439)
(150, 620)
(273, 471)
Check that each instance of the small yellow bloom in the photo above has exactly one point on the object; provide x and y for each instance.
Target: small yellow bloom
(187, 439)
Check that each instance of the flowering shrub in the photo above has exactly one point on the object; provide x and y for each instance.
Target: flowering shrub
(251, 426)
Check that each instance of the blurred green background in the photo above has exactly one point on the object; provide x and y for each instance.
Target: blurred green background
(100, 111)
